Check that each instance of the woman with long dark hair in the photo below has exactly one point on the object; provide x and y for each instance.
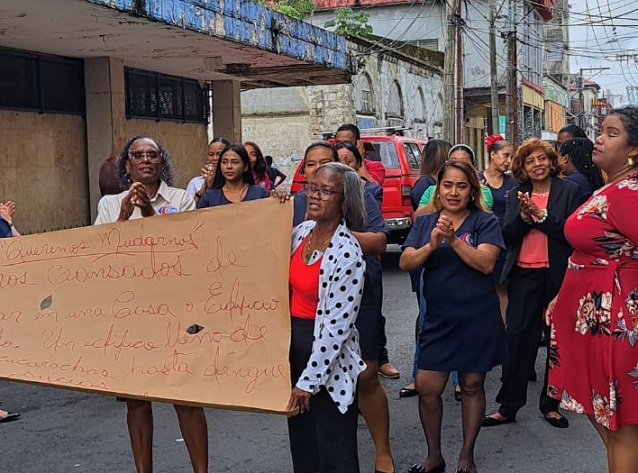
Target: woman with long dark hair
(200, 184)
(578, 167)
(461, 330)
(258, 165)
(233, 181)
(433, 158)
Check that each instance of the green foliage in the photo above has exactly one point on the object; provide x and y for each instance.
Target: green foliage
(349, 23)
(298, 9)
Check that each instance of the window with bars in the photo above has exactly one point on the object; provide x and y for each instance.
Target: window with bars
(41, 83)
(164, 97)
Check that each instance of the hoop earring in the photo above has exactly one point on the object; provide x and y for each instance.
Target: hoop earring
(631, 161)
(552, 170)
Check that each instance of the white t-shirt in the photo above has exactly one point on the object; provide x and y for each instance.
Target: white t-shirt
(194, 185)
(168, 200)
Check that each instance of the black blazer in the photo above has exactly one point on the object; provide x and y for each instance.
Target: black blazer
(563, 200)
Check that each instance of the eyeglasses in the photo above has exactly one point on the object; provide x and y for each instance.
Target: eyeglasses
(324, 194)
(152, 156)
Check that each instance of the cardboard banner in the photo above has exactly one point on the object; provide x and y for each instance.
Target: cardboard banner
(190, 308)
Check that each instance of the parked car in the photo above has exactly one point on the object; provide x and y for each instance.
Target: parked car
(401, 156)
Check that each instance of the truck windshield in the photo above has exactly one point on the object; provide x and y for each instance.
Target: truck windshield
(384, 151)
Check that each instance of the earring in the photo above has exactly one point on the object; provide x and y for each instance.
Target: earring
(552, 170)
(630, 161)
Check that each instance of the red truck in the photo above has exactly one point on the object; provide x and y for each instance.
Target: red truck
(401, 156)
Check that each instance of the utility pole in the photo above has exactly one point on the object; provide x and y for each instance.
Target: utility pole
(512, 77)
(448, 73)
(583, 116)
(493, 70)
(458, 131)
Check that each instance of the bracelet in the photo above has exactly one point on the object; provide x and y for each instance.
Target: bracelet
(543, 218)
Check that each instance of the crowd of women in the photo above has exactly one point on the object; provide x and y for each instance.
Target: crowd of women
(499, 260)
(535, 244)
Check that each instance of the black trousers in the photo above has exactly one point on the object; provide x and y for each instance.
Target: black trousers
(322, 439)
(529, 291)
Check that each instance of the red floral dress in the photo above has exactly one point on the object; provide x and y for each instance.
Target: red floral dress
(594, 343)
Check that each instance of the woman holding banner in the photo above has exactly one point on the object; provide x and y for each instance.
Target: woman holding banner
(146, 169)
(7, 230)
(327, 273)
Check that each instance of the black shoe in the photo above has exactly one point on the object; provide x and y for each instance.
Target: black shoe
(558, 422)
(440, 468)
(492, 421)
(407, 392)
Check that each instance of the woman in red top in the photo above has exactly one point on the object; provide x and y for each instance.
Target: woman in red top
(537, 254)
(327, 272)
(593, 349)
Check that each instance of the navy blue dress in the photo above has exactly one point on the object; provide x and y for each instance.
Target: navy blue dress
(370, 312)
(462, 329)
(215, 197)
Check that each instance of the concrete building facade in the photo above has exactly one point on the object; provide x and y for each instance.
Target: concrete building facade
(424, 24)
(394, 87)
(80, 77)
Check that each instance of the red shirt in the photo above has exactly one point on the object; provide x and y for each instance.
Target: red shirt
(304, 285)
(376, 169)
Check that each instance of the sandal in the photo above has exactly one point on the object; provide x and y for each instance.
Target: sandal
(8, 416)
(418, 468)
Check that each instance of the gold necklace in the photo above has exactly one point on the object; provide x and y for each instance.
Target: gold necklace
(309, 250)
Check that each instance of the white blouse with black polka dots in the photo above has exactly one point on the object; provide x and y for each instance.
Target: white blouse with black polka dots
(335, 361)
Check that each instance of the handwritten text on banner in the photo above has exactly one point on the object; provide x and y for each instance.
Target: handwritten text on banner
(190, 307)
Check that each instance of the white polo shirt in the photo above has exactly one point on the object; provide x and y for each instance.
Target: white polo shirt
(168, 200)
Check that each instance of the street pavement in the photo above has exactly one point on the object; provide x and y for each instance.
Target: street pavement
(63, 431)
